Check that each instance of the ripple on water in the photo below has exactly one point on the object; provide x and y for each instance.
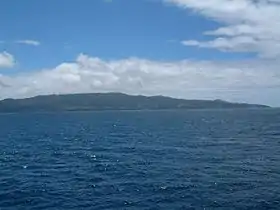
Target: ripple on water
(140, 160)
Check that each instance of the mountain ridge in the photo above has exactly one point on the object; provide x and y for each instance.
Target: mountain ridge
(112, 101)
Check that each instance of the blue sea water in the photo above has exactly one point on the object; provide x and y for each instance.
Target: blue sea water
(167, 160)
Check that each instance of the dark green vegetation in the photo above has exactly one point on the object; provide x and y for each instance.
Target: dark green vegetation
(110, 101)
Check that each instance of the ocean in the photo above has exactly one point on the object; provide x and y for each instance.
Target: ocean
(198, 159)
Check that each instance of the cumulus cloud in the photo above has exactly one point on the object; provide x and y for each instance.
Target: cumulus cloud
(247, 25)
(6, 60)
(250, 81)
(29, 42)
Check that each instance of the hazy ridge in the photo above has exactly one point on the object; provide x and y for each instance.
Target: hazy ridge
(111, 101)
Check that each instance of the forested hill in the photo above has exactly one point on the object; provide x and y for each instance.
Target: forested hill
(111, 101)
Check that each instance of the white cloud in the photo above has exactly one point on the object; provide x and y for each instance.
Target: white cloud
(6, 60)
(247, 25)
(29, 42)
(250, 81)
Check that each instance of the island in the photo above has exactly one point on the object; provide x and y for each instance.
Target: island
(111, 101)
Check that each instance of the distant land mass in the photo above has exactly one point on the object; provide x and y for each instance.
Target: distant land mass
(111, 101)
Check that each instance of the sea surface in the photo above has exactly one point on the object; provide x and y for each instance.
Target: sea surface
(225, 159)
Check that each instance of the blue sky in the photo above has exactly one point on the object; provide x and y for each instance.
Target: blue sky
(116, 29)
(211, 49)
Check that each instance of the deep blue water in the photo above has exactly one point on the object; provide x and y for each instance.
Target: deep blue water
(141, 160)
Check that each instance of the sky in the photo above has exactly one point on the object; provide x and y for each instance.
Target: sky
(192, 49)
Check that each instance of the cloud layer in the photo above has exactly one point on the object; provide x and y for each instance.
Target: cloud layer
(6, 60)
(249, 81)
(247, 25)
